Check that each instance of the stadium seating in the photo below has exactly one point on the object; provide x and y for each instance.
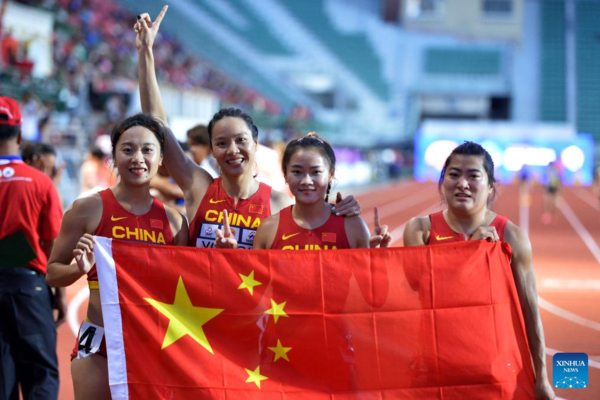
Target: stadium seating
(353, 50)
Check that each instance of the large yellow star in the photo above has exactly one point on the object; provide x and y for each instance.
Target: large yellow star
(248, 282)
(255, 376)
(280, 351)
(276, 310)
(185, 318)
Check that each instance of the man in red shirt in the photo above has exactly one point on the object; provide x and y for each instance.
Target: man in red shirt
(30, 221)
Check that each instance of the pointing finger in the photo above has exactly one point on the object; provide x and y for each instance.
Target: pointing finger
(338, 197)
(161, 16)
(377, 221)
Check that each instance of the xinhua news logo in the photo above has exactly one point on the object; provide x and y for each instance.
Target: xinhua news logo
(570, 370)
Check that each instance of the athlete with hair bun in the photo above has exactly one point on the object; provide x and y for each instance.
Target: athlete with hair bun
(126, 211)
(467, 185)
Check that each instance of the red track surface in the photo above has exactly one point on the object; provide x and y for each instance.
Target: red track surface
(567, 269)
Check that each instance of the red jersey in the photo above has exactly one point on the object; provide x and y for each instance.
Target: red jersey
(118, 223)
(29, 204)
(290, 236)
(442, 233)
(244, 218)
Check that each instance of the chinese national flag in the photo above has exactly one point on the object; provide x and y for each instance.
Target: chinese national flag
(434, 322)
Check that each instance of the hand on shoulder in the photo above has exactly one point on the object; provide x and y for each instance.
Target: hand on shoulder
(346, 207)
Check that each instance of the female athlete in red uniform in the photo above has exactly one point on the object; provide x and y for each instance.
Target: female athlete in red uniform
(233, 141)
(309, 166)
(467, 185)
(127, 211)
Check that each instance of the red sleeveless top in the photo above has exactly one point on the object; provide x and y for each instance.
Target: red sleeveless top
(442, 233)
(290, 236)
(244, 218)
(118, 223)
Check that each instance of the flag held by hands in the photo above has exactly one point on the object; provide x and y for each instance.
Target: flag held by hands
(423, 322)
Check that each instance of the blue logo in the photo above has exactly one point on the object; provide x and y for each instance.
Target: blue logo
(570, 370)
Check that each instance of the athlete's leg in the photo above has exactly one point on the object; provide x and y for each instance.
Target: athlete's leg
(90, 378)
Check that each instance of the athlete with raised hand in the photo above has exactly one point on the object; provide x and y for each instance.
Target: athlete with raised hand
(126, 211)
(467, 185)
(234, 141)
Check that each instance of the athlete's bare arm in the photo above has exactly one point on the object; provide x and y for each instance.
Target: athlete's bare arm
(164, 185)
(192, 179)
(417, 231)
(179, 227)
(265, 235)
(524, 275)
(82, 217)
(357, 232)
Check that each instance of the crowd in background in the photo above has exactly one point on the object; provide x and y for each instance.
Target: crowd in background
(94, 78)
(94, 44)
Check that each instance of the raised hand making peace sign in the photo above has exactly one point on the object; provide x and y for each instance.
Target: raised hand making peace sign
(381, 237)
(146, 30)
(225, 238)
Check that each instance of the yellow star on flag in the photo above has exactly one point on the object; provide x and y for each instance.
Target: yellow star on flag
(248, 282)
(276, 310)
(255, 376)
(280, 351)
(185, 318)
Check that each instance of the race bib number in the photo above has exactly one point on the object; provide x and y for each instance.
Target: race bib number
(90, 338)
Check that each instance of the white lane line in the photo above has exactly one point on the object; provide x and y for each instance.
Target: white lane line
(591, 363)
(73, 309)
(569, 316)
(588, 198)
(543, 303)
(576, 284)
(579, 228)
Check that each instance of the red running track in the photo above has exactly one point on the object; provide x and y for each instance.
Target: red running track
(566, 258)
